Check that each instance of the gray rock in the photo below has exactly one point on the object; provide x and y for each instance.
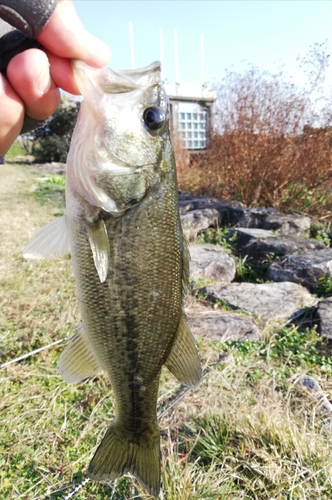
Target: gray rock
(228, 209)
(304, 268)
(217, 324)
(288, 223)
(269, 218)
(184, 195)
(195, 221)
(211, 262)
(188, 204)
(54, 168)
(254, 217)
(269, 300)
(311, 387)
(260, 244)
(324, 317)
(242, 236)
(235, 213)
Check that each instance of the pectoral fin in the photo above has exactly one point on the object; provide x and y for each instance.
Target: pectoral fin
(183, 360)
(185, 265)
(50, 242)
(77, 360)
(100, 247)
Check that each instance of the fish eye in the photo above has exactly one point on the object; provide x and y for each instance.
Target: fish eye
(154, 118)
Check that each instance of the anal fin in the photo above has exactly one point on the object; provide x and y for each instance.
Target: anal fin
(50, 242)
(100, 247)
(77, 361)
(183, 360)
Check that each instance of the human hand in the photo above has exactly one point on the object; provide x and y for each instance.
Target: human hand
(34, 76)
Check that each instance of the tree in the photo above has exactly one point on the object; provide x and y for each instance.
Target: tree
(52, 142)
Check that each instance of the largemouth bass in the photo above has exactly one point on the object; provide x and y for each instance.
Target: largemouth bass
(130, 261)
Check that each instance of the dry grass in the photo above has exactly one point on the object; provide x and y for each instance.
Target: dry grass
(246, 433)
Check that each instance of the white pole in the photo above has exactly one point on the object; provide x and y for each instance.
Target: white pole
(161, 46)
(202, 59)
(131, 41)
(176, 57)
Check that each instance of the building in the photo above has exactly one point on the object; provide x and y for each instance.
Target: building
(191, 107)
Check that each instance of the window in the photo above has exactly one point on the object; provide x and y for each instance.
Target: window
(192, 127)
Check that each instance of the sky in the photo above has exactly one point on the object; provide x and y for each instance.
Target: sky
(265, 33)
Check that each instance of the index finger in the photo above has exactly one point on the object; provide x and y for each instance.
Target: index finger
(65, 36)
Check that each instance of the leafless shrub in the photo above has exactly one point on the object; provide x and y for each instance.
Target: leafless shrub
(272, 144)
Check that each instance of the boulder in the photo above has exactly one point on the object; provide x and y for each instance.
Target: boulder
(324, 318)
(288, 223)
(53, 168)
(217, 324)
(195, 221)
(270, 300)
(271, 219)
(261, 244)
(187, 204)
(184, 195)
(253, 217)
(211, 262)
(304, 268)
(310, 386)
(227, 209)
(235, 213)
(242, 236)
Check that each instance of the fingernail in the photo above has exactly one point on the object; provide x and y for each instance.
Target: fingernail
(44, 81)
(97, 53)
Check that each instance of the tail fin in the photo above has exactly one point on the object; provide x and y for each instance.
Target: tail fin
(118, 454)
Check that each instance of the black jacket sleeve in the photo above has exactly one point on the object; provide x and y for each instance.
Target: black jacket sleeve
(28, 16)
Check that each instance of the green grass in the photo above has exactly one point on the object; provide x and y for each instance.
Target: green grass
(51, 191)
(247, 433)
(16, 149)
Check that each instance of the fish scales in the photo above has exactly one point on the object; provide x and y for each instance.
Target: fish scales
(130, 261)
(135, 312)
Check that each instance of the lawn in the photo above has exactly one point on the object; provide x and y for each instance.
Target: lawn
(247, 433)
